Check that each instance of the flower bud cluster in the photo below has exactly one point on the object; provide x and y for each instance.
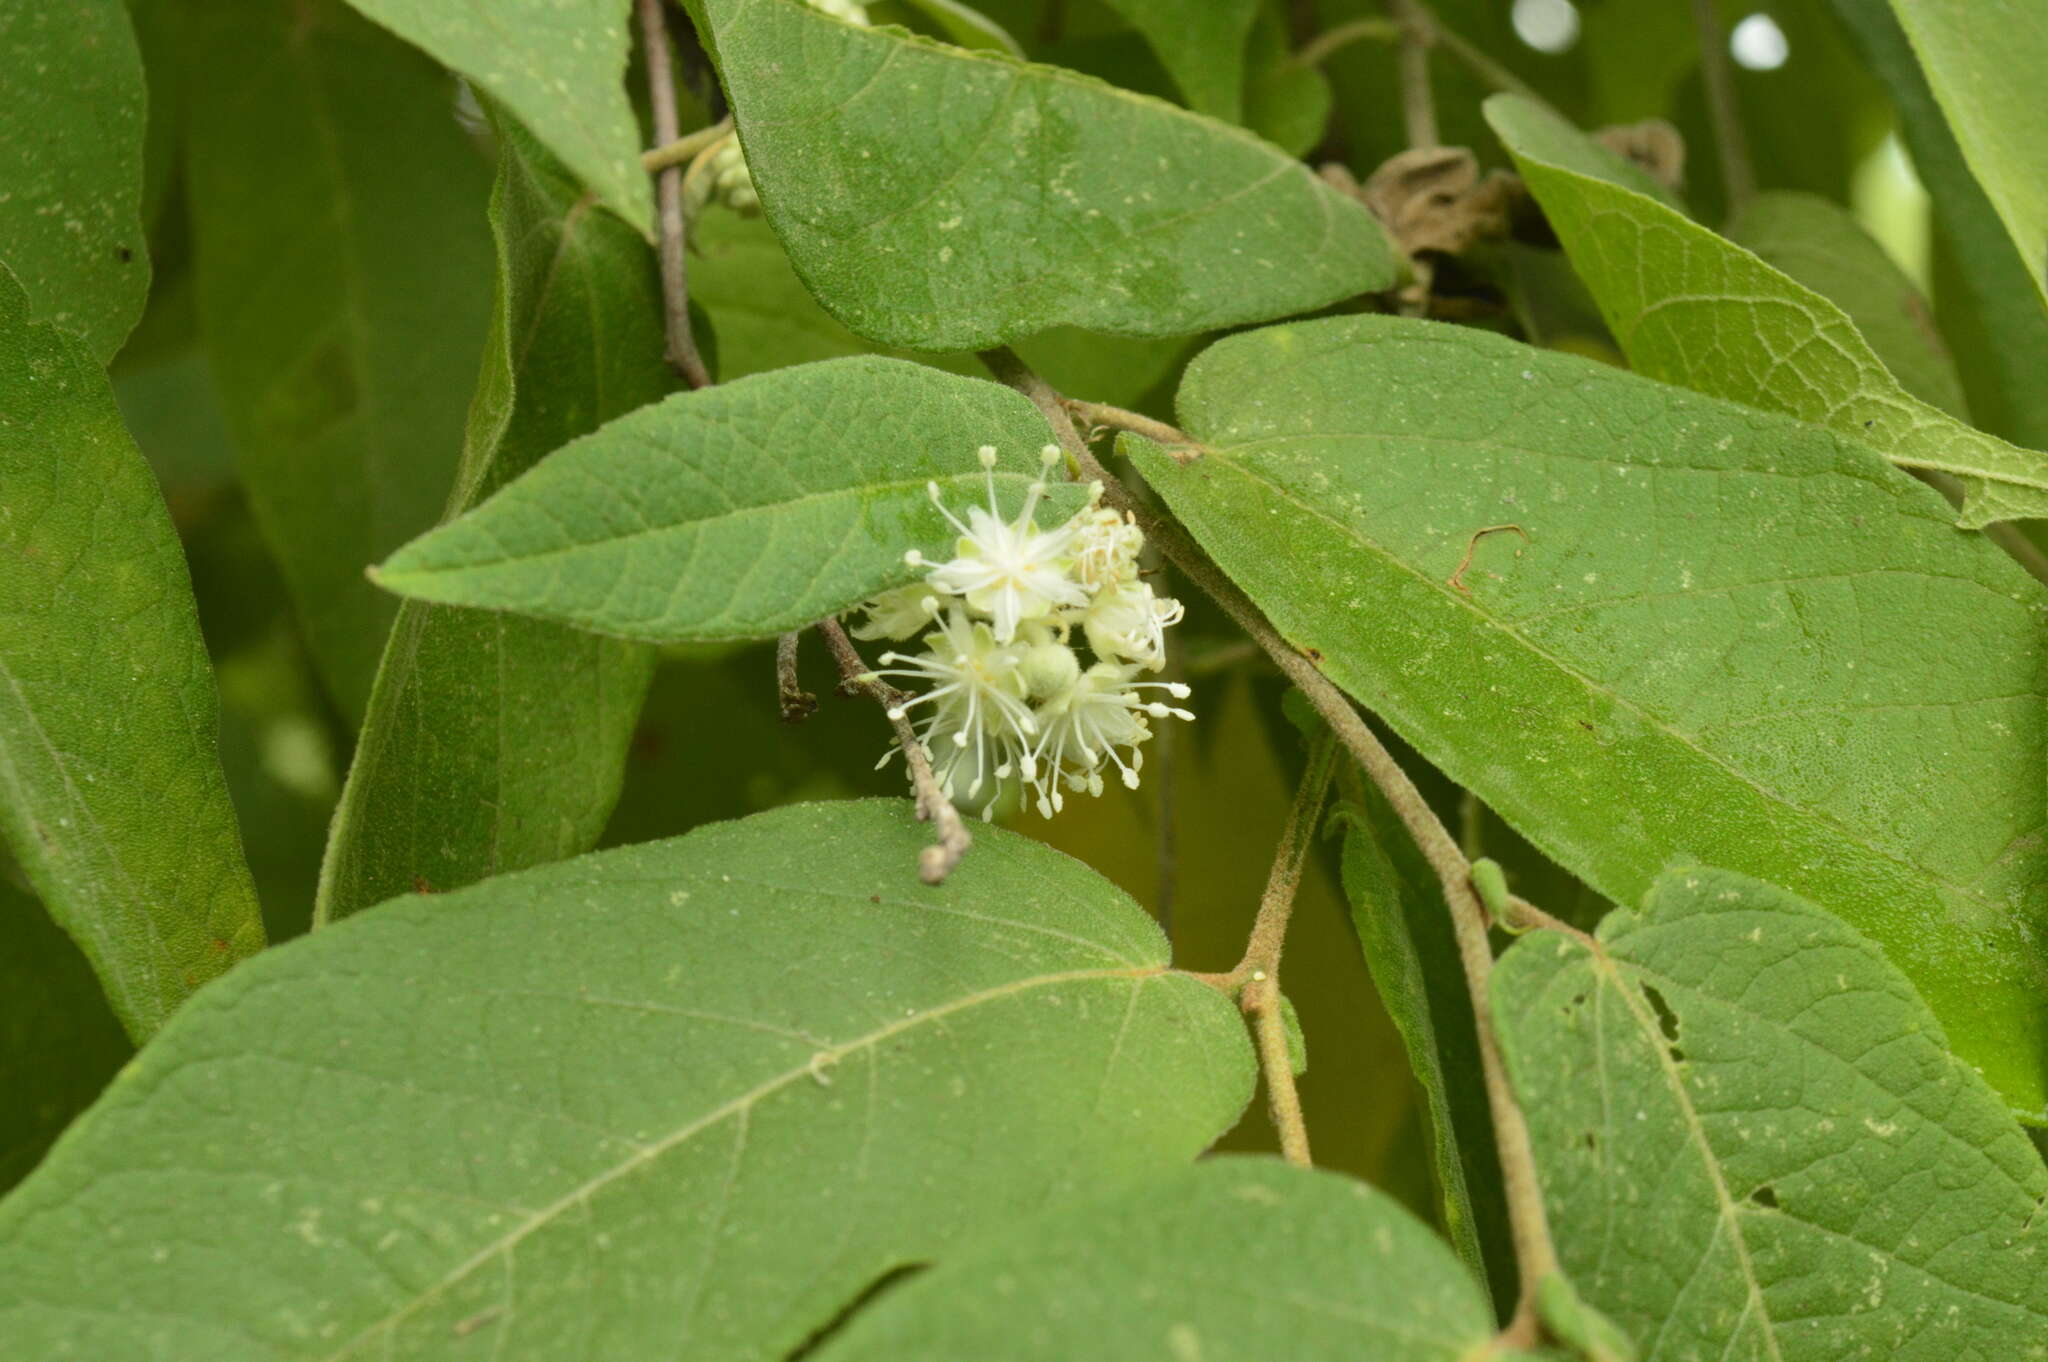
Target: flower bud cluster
(1008, 693)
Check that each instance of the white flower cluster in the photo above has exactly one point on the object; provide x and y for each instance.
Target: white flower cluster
(1008, 693)
(724, 175)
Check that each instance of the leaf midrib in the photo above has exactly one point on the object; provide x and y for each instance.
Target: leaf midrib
(740, 1105)
(1848, 833)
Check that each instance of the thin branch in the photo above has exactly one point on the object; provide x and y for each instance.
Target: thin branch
(685, 148)
(1476, 61)
(935, 862)
(1418, 101)
(668, 184)
(795, 703)
(1259, 972)
(1328, 44)
(1731, 146)
(1276, 906)
(1535, 1253)
(1101, 414)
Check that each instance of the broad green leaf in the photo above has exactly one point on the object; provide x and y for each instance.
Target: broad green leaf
(1404, 927)
(1693, 308)
(741, 511)
(1984, 61)
(1818, 244)
(938, 199)
(766, 319)
(676, 1101)
(1728, 635)
(1285, 102)
(1201, 44)
(71, 129)
(495, 742)
(1754, 1142)
(1234, 1260)
(343, 275)
(558, 65)
(58, 1042)
(2001, 371)
(110, 785)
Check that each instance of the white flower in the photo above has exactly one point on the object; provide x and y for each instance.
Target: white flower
(1106, 549)
(1083, 728)
(1127, 623)
(900, 613)
(850, 10)
(1007, 693)
(977, 700)
(1010, 571)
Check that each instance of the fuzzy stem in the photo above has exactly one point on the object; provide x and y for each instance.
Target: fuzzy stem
(936, 861)
(684, 149)
(1418, 101)
(1116, 418)
(675, 287)
(1326, 45)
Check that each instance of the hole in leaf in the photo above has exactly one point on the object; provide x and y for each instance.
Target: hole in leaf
(1765, 1196)
(822, 1335)
(1666, 1018)
(1591, 1141)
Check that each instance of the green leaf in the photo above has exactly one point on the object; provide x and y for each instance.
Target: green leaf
(1984, 61)
(1728, 635)
(1201, 44)
(71, 130)
(110, 785)
(1236, 1258)
(1816, 243)
(1693, 308)
(2001, 372)
(1285, 102)
(343, 276)
(677, 1101)
(1754, 1142)
(1404, 926)
(938, 199)
(741, 511)
(966, 26)
(558, 65)
(58, 1042)
(494, 742)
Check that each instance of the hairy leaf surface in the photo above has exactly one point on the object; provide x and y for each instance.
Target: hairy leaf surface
(1754, 1142)
(495, 742)
(1728, 635)
(111, 792)
(71, 129)
(559, 65)
(1233, 1260)
(939, 199)
(343, 273)
(676, 1101)
(1984, 61)
(1693, 308)
(740, 511)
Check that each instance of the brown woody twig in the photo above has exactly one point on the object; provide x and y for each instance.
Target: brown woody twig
(936, 861)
